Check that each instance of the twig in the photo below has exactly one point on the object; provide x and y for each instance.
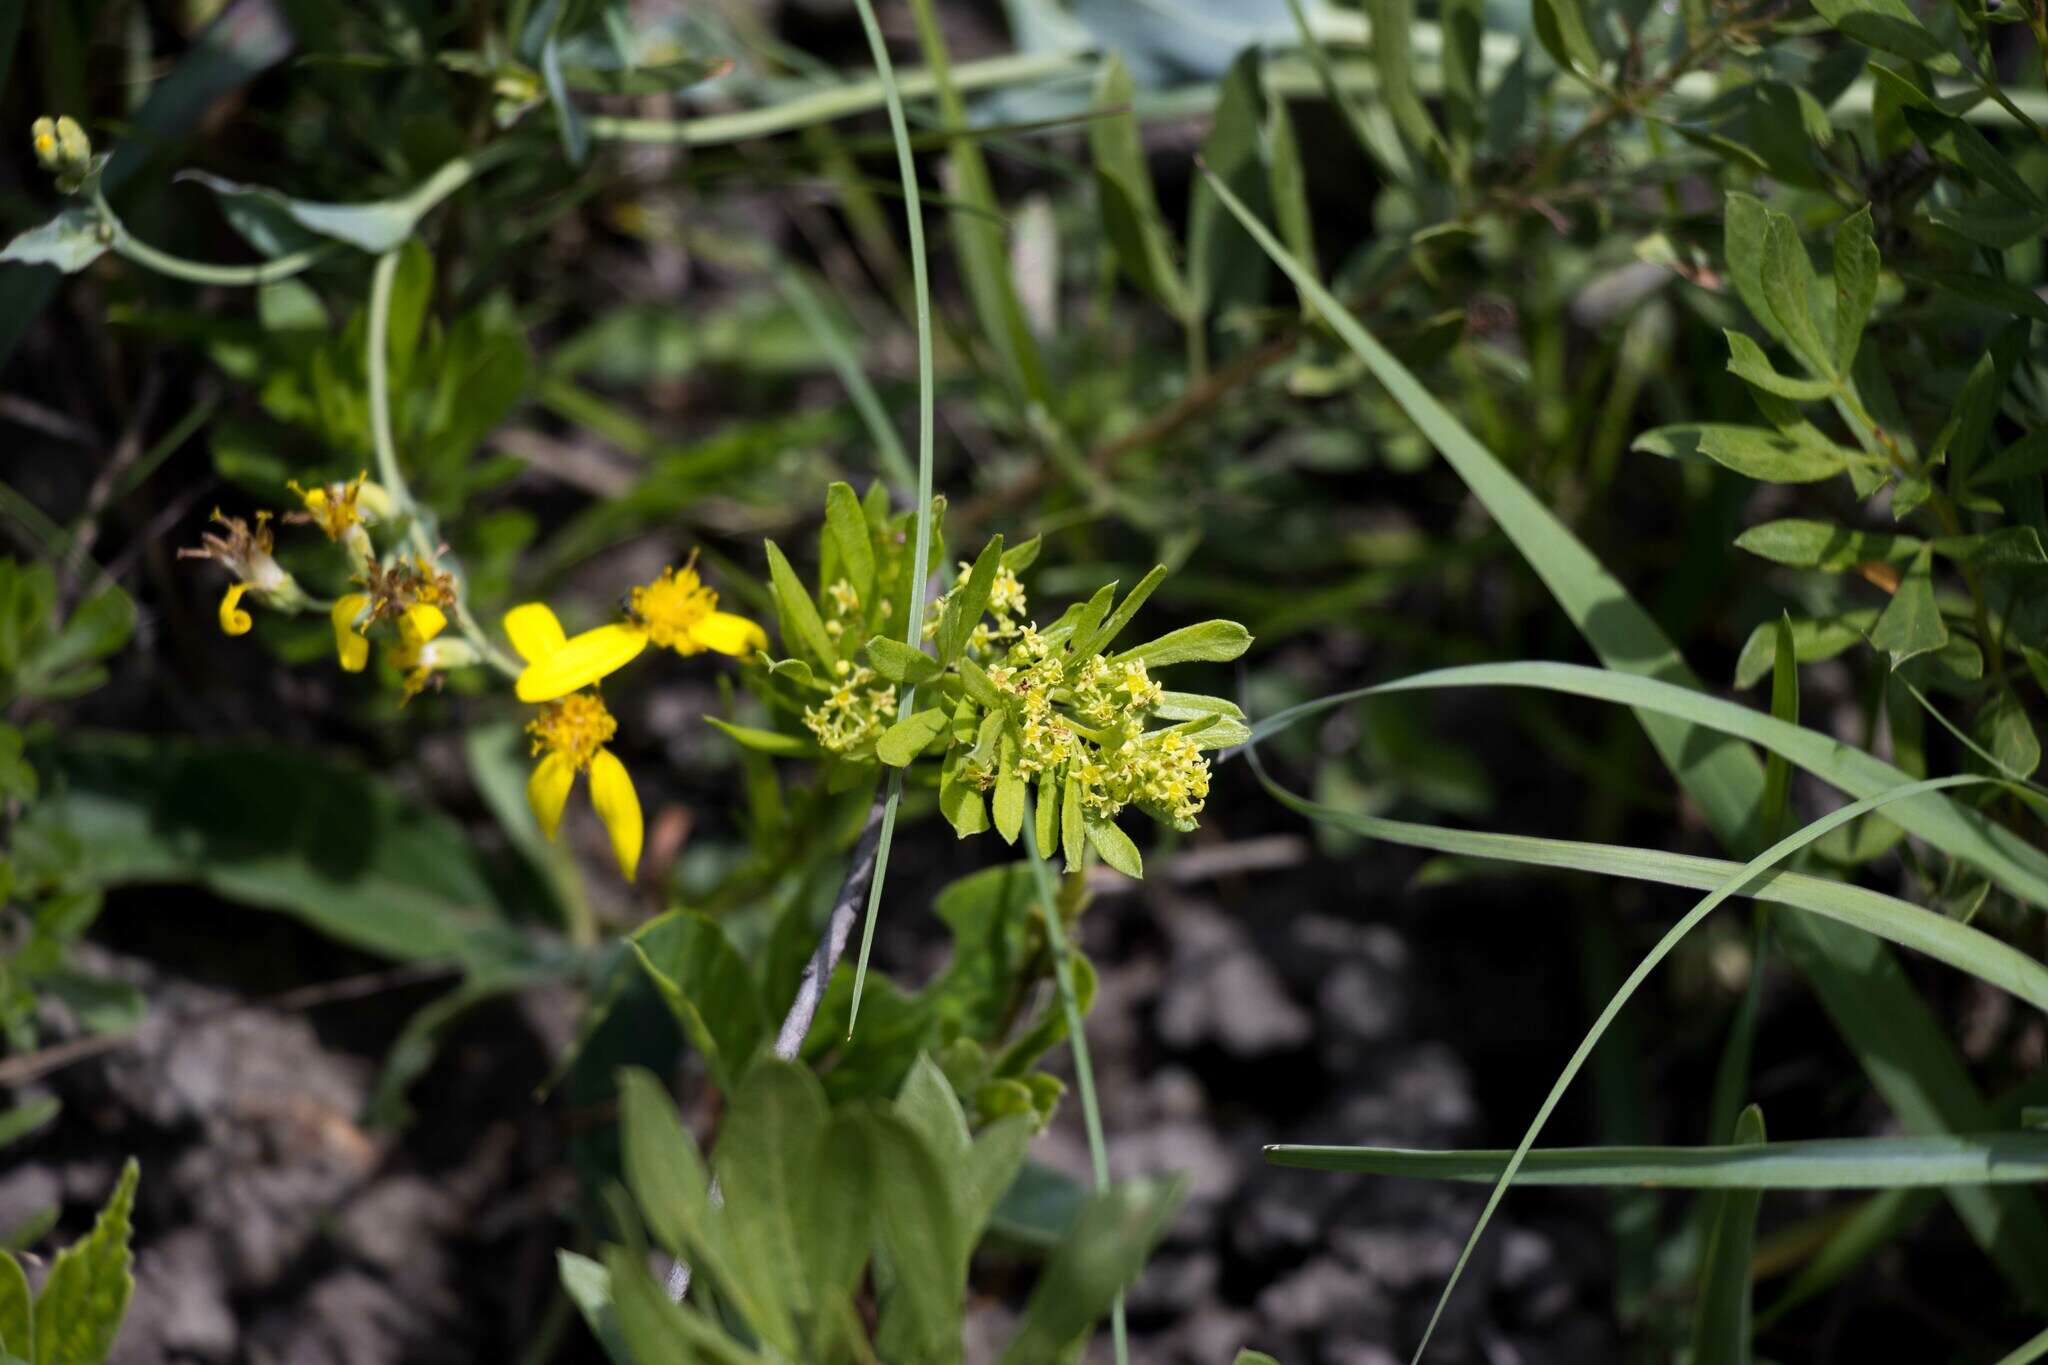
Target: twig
(810, 988)
(30, 1066)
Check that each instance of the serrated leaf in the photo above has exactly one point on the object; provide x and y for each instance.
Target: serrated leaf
(902, 742)
(71, 241)
(79, 1310)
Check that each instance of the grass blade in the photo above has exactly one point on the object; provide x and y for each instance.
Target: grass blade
(1722, 776)
(1879, 1163)
(1722, 1320)
(906, 166)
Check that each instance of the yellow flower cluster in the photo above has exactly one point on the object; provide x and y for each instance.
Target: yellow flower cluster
(1087, 717)
(854, 713)
(1006, 605)
(62, 149)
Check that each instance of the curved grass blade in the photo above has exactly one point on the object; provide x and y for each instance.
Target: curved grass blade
(906, 166)
(1879, 1163)
(1958, 831)
(1769, 858)
(1959, 945)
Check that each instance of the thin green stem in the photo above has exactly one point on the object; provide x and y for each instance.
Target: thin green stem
(913, 211)
(127, 244)
(1084, 1069)
(824, 106)
(376, 365)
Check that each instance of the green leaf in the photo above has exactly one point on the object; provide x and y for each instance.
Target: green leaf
(1204, 642)
(1856, 270)
(1247, 1356)
(1812, 641)
(17, 1316)
(706, 985)
(899, 663)
(79, 1310)
(1104, 635)
(2022, 459)
(1008, 805)
(768, 741)
(1104, 1252)
(1225, 270)
(1722, 1320)
(967, 604)
(1879, 1163)
(376, 227)
(1393, 60)
(1745, 225)
(71, 241)
(589, 1287)
(1912, 623)
(1789, 286)
(1753, 452)
(1990, 222)
(1987, 292)
(1962, 437)
(902, 742)
(23, 1119)
(2004, 729)
(1889, 26)
(847, 524)
(278, 830)
(1072, 827)
(769, 1160)
(1747, 361)
(1130, 212)
(1115, 847)
(665, 1172)
(920, 1228)
(657, 1330)
(1805, 544)
(797, 612)
(1289, 183)
(1962, 146)
(1562, 29)
(1226, 727)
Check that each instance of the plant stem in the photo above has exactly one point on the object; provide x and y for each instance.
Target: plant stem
(1084, 1069)
(824, 106)
(919, 567)
(376, 365)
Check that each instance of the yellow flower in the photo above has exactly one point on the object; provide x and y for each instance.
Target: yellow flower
(569, 736)
(349, 641)
(676, 611)
(418, 654)
(233, 620)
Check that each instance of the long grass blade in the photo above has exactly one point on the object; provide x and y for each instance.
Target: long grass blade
(906, 166)
(1879, 1163)
(1722, 776)
(1722, 1320)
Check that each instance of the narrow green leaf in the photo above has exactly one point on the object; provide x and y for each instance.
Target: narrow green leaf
(1131, 219)
(706, 985)
(1204, 642)
(1747, 361)
(848, 526)
(1785, 707)
(17, 1316)
(1789, 286)
(768, 741)
(798, 613)
(1813, 640)
(1722, 1319)
(1889, 26)
(1807, 544)
(1103, 1253)
(1104, 635)
(1116, 848)
(1870, 1163)
(1754, 452)
(1856, 269)
(964, 609)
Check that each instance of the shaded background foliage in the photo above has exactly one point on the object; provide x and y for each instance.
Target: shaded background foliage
(649, 324)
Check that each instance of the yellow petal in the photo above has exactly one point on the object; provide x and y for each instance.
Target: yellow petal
(581, 661)
(534, 631)
(618, 805)
(420, 623)
(547, 791)
(348, 641)
(729, 634)
(233, 620)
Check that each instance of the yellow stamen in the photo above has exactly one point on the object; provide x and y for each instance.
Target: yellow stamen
(671, 607)
(575, 727)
